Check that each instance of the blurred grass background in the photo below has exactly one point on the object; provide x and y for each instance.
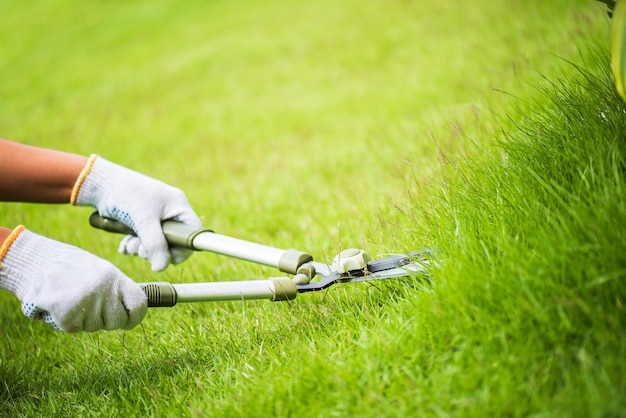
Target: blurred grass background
(322, 126)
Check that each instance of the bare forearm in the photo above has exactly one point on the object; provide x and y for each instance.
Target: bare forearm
(37, 175)
(4, 233)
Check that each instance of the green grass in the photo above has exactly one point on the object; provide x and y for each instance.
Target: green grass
(390, 126)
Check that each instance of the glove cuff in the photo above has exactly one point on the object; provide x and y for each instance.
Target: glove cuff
(98, 180)
(8, 241)
(16, 254)
(81, 179)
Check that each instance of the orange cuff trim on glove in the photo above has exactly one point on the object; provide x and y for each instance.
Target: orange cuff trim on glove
(7, 242)
(81, 178)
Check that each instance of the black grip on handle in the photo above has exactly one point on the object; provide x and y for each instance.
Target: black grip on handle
(176, 233)
(110, 225)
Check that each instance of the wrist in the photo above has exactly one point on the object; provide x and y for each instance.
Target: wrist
(4, 234)
(7, 236)
(7, 282)
(80, 180)
(99, 180)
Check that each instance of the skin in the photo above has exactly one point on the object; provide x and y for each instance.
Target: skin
(36, 175)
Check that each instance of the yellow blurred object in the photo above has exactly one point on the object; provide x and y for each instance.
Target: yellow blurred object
(618, 47)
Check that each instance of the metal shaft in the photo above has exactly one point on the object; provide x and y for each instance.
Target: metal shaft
(163, 294)
(176, 233)
(234, 247)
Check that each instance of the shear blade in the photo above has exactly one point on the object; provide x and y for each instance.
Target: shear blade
(386, 268)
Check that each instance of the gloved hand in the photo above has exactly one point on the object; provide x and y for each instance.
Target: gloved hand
(140, 202)
(69, 288)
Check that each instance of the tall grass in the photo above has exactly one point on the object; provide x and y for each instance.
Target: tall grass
(534, 287)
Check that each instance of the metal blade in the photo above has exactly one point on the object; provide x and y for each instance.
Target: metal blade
(387, 268)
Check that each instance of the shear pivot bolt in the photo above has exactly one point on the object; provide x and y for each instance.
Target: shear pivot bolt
(350, 260)
(301, 279)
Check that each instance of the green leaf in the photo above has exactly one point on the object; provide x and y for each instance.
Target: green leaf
(618, 47)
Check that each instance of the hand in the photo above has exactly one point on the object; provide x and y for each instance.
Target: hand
(140, 202)
(69, 288)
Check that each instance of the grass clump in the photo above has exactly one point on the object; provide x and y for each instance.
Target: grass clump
(534, 291)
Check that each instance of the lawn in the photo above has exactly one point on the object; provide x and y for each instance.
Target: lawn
(489, 132)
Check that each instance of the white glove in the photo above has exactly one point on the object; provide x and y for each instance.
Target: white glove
(69, 288)
(140, 202)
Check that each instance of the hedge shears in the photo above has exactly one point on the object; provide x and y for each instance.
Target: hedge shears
(350, 266)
